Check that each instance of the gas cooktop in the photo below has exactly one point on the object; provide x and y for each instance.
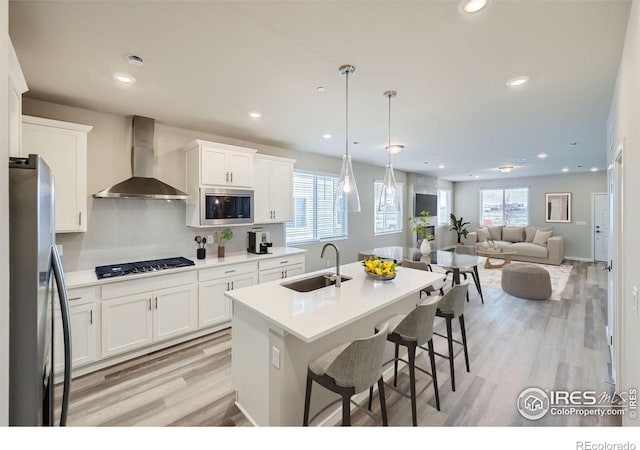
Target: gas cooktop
(153, 265)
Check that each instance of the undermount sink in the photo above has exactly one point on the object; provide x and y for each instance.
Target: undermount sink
(315, 282)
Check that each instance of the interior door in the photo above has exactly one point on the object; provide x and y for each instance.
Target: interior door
(601, 226)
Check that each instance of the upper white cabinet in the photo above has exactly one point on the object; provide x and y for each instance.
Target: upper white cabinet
(213, 164)
(63, 146)
(273, 189)
(17, 87)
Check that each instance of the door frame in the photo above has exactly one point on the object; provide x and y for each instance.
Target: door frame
(593, 223)
(617, 214)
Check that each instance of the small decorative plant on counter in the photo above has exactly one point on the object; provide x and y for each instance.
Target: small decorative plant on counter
(378, 269)
(219, 237)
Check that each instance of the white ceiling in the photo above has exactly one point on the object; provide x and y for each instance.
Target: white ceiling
(207, 64)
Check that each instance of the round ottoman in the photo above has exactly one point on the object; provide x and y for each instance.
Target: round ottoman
(526, 281)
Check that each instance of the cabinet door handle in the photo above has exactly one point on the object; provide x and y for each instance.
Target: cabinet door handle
(74, 298)
(79, 218)
(149, 304)
(232, 285)
(230, 271)
(227, 285)
(274, 214)
(91, 317)
(156, 302)
(283, 262)
(286, 273)
(232, 177)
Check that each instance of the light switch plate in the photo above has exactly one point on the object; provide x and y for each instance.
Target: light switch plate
(634, 298)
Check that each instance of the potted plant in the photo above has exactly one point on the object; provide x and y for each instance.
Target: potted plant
(419, 226)
(459, 227)
(219, 237)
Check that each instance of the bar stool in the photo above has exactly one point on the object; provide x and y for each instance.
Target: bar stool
(469, 250)
(421, 265)
(450, 307)
(412, 330)
(349, 369)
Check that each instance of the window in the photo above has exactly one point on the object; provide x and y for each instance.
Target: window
(504, 206)
(314, 218)
(444, 206)
(385, 221)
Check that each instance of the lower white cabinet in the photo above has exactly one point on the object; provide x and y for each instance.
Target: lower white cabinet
(213, 307)
(141, 319)
(127, 323)
(84, 345)
(280, 268)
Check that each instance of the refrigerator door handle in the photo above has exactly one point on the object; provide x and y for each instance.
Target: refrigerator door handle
(58, 274)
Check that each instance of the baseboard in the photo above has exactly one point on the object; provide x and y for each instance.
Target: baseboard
(244, 411)
(578, 258)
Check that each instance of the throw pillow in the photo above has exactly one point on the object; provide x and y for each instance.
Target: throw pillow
(483, 234)
(542, 237)
(531, 233)
(495, 232)
(513, 234)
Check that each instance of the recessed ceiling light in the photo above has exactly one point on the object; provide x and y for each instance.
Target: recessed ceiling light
(124, 78)
(255, 114)
(476, 176)
(320, 89)
(565, 169)
(441, 166)
(395, 148)
(472, 6)
(573, 144)
(542, 155)
(135, 60)
(594, 169)
(326, 136)
(505, 169)
(518, 81)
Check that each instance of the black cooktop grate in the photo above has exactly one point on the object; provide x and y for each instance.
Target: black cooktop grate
(152, 265)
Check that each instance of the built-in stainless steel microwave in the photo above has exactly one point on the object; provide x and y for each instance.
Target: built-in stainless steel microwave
(225, 206)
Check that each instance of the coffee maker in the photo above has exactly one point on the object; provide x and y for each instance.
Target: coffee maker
(259, 242)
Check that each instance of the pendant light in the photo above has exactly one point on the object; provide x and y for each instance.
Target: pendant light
(389, 195)
(347, 189)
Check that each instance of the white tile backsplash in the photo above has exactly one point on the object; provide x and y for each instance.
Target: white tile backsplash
(123, 230)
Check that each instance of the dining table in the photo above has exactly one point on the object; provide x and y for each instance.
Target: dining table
(449, 260)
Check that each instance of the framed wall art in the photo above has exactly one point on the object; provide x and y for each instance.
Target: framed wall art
(558, 207)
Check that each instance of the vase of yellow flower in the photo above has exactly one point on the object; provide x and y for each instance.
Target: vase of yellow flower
(378, 269)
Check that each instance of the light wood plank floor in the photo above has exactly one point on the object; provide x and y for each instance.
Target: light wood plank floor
(513, 344)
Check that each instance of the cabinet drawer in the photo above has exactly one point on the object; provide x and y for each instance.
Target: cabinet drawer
(83, 295)
(147, 284)
(272, 263)
(226, 271)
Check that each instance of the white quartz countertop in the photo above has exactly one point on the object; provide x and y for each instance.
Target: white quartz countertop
(84, 278)
(312, 315)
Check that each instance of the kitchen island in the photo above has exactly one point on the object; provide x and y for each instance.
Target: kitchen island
(277, 331)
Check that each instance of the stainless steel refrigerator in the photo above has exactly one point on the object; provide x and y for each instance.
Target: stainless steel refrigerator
(34, 266)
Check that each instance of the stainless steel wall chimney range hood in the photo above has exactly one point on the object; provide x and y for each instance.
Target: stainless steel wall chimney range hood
(142, 184)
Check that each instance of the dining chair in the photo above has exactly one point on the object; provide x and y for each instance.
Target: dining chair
(421, 265)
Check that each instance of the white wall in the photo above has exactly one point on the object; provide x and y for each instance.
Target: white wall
(625, 113)
(123, 229)
(4, 218)
(578, 238)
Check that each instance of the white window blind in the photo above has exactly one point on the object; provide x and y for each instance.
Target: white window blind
(314, 218)
(504, 206)
(385, 221)
(444, 206)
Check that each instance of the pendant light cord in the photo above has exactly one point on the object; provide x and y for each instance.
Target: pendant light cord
(389, 129)
(346, 113)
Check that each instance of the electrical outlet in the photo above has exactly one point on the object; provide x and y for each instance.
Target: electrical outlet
(634, 299)
(275, 357)
(59, 247)
(210, 239)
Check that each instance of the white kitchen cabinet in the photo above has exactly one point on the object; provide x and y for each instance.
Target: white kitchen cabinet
(213, 307)
(63, 146)
(84, 314)
(175, 311)
(280, 268)
(213, 164)
(273, 189)
(17, 87)
(127, 323)
(136, 313)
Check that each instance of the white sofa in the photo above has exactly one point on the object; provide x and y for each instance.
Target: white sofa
(526, 242)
